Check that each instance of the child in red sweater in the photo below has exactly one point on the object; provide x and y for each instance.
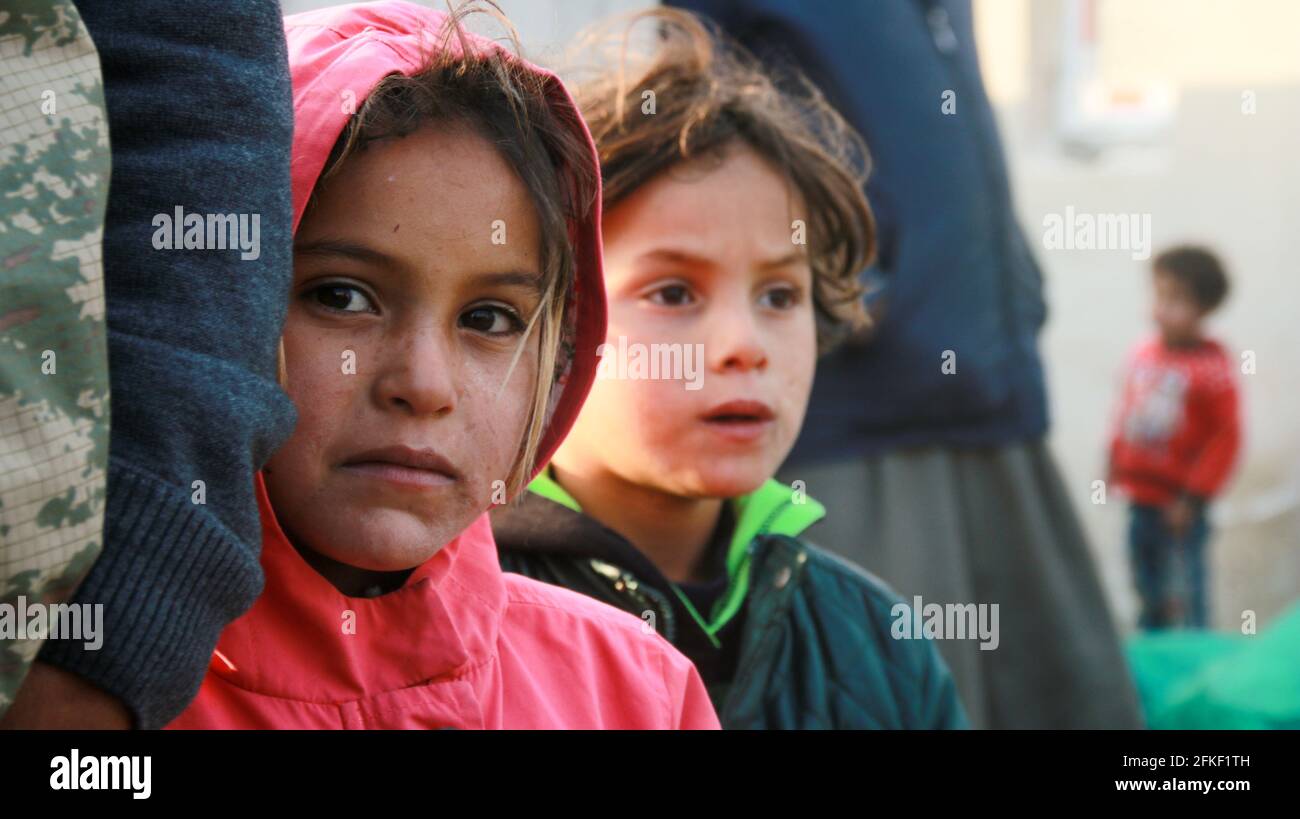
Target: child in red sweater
(1176, 438)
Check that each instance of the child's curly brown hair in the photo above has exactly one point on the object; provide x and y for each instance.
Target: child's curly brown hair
(709, 93)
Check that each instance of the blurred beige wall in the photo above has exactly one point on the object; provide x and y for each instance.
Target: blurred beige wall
(544, 26)
(1205, 43)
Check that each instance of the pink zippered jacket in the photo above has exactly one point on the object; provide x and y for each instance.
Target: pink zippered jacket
(461, 644)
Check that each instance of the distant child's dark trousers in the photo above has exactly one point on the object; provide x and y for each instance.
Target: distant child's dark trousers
(1170, 573)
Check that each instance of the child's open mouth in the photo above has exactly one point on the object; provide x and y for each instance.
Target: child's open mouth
(404, 467)
(741, 421)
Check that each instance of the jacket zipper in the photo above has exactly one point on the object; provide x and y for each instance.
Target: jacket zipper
(764, 645)
(642, 597)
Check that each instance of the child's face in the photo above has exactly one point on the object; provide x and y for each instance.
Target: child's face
(703, 256)
(402, 323)
(1176, 311)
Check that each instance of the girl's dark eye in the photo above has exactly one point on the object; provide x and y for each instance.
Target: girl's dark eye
(491, 320)
(343, 298)
(672, 295)
(780, 298)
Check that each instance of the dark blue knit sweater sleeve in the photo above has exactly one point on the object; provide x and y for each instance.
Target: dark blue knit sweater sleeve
(200, 118)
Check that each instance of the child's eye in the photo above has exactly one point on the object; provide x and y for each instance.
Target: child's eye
(492, 320)
(672, 295)
(780, 298)
(343, 298)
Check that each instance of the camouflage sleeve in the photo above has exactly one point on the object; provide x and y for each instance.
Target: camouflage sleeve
(54, 395)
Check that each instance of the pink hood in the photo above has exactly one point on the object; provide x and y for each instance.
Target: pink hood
(461, 644)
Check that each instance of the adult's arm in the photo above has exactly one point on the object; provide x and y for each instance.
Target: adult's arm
(200, 118)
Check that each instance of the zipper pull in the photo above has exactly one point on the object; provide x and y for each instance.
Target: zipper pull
(224, 661)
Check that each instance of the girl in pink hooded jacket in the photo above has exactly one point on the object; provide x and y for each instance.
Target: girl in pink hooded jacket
(446, 306)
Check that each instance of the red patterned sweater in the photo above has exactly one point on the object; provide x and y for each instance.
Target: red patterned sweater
(1177, 430)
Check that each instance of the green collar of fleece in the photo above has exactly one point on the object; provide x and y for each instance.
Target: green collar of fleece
(772, 509)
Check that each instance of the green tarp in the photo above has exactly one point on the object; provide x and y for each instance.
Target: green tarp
(1190, 679)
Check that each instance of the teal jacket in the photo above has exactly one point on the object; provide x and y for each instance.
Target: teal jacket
(813, 646)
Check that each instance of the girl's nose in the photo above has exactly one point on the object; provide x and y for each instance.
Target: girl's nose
(418, 376)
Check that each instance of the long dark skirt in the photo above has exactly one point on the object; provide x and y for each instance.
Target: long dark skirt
(987, 526)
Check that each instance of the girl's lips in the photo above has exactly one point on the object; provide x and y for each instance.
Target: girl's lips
(404, 466)
(404, 476)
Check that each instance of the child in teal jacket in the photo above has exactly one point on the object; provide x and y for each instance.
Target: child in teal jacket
(735, 228)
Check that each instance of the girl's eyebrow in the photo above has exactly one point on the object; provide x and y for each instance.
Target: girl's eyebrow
(338, 247)
(362, 253)
(532, 281)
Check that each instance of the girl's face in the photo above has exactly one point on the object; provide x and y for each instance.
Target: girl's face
(703, 256)
(403, 320)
